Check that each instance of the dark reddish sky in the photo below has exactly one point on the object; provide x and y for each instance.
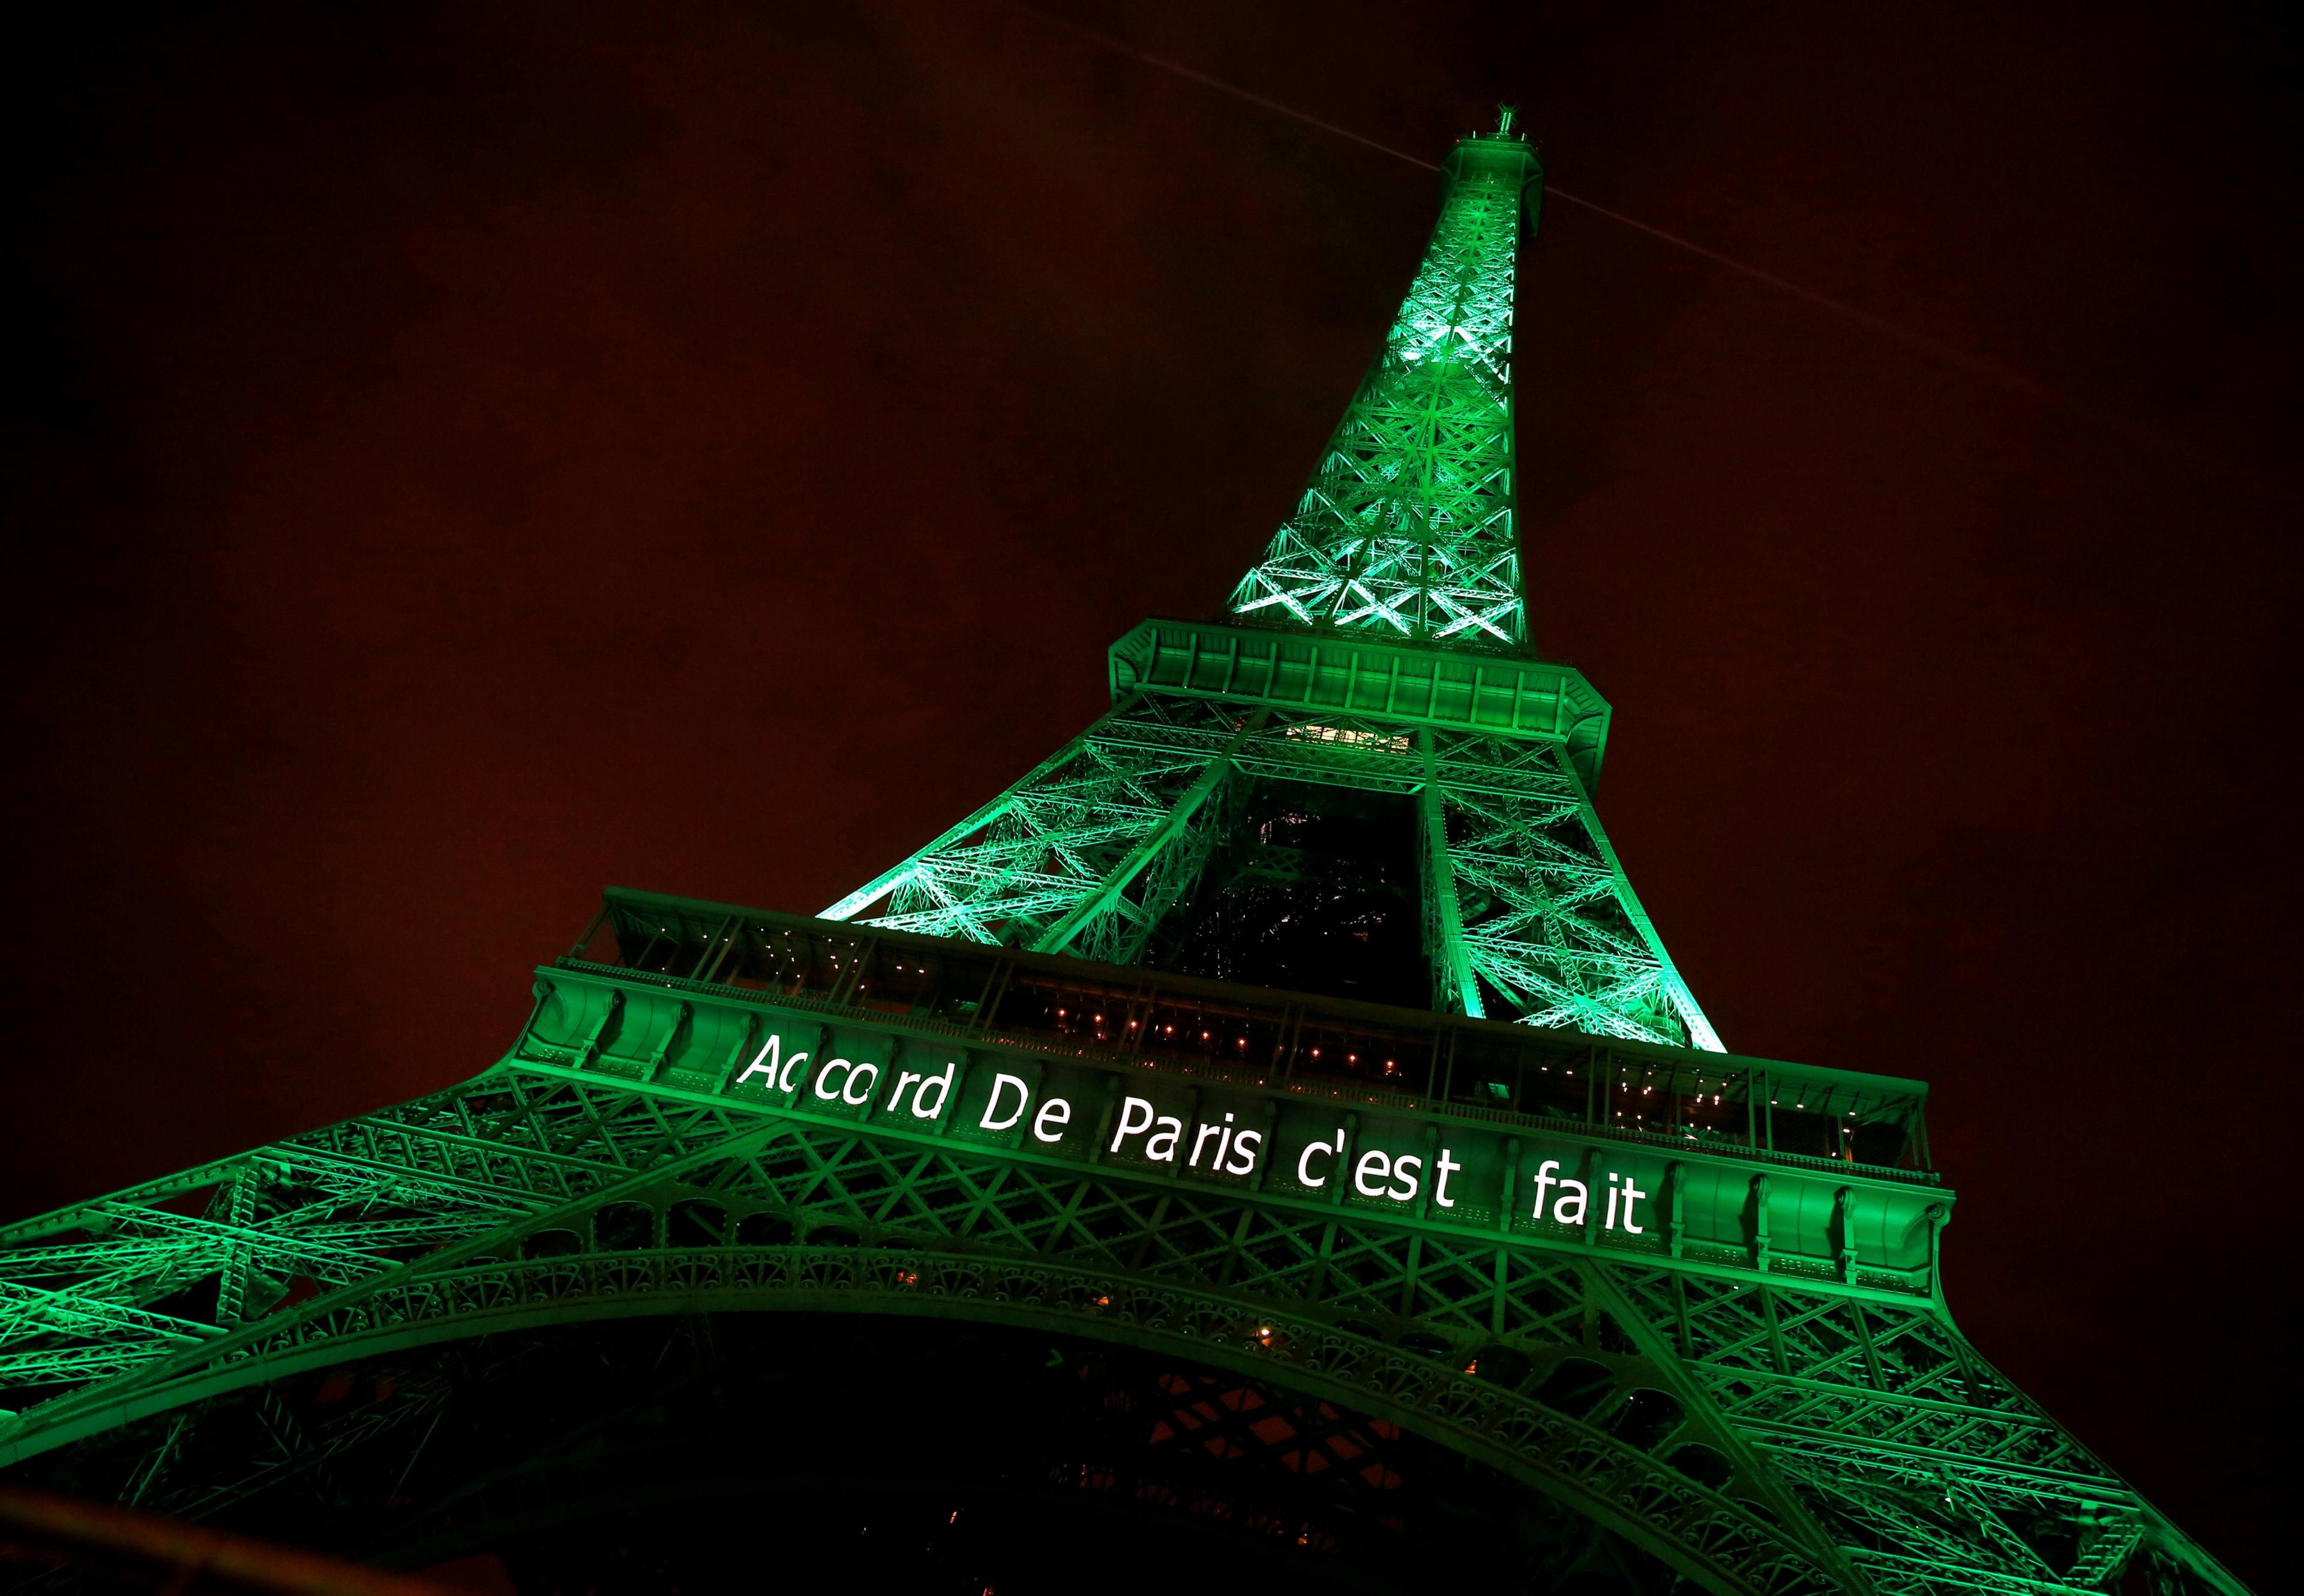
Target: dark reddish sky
(465, 455)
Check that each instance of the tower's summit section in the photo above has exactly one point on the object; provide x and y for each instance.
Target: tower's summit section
(1408, 527)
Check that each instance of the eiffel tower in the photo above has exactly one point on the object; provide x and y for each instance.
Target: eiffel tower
(1269, 1141)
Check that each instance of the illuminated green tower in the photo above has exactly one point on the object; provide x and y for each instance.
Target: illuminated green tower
(1368, 776)
(1272, 1124)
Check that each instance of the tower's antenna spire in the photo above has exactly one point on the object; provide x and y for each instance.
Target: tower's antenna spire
(1505, 115)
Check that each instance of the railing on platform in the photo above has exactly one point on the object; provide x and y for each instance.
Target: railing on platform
(1486, 1069)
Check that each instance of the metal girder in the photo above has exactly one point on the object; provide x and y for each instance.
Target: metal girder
(1110, 924)
(1111, 810)
(1455, 985)
(1295, 1298)
(1550, 923)
(1091, 849)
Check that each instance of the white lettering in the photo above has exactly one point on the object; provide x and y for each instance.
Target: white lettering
(824, 1078)
(1201, 1140)
(859, 1089)
(1543, 1179)
(1632, 1194)
(790, 1080)
(1372, 1163)
(1400, 1172)
(939, 1084)
(1000, 1084)
(1172, 1131)
(1304, 1163)
(1570, 1190)
(1440, 1171)
(1055, 1112)
(772, 1051)
(897, 1096)
(1243, 1152)
(1130, 1124)
(1612, 1195)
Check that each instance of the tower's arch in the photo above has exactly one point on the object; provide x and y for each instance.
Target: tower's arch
(1579, 1414)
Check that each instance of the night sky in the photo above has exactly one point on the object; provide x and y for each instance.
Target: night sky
(463, 456)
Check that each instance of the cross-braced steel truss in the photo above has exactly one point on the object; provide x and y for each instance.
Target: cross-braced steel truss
(1758, 1432)
(1528, 913)
(1087, 850)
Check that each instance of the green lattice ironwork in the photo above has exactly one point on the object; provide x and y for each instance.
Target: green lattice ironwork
(1527, 912)
(1546, 1223)
(1399, 578)
(1762, 1386)
(1406, 529)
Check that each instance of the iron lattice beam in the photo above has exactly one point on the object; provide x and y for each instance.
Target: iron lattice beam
(1539, 922)
(1760, 1431)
